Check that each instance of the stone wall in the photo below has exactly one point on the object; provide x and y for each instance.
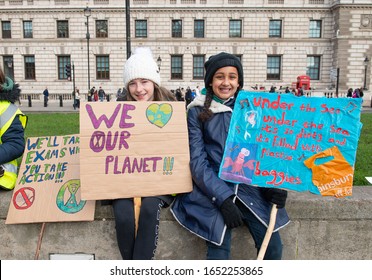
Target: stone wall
(321, 228)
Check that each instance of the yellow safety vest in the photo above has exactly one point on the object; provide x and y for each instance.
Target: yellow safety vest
(8, 171)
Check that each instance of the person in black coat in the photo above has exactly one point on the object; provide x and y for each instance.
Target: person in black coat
(188, 96)
(46, 96)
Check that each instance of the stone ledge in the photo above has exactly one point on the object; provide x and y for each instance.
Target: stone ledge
(321, 228)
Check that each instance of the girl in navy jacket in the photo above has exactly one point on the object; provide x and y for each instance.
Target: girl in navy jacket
(215, 206)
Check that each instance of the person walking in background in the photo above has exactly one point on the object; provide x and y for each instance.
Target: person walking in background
(215, 206)
(358, 93)
(76, 98)
(197, 91)
(361, 93)
(101, 94)
(179, 96)
(46, 96)
(188, 96)
(142, 81)
(300, 92)
(349, 93)
(91, 94)
(183, 93)
(12, 125)
(95, 95)
(118, 93)
(122, 95)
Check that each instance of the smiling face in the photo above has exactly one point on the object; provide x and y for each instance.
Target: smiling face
(141, 89)
(225, 82)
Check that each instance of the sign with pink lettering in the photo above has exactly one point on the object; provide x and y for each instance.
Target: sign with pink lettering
(131, 149)
(295, 143)
(48, 187)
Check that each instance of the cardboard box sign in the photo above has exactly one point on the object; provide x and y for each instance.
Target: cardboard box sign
(48, 184)
(131, 149)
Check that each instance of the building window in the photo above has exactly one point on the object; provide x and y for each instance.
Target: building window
(62, 28)
(63, 60)
(101, 29)
(176, 28)
(103, 67)
(235, 28)
(6, 29)
(199, 28)
(8, 66)
(176, 67)
(198, 67)
(316, 2)
(313, 67)
(27, 29)
(30, 67)
(315, 29)
(141, 28)
(62, 2)
(275, 28)
(273, 67)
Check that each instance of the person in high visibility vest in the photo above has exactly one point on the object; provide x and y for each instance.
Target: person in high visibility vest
(12, 125)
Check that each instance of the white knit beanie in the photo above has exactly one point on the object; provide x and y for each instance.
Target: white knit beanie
(141, 65)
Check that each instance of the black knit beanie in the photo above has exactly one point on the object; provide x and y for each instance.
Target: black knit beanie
(218, 61)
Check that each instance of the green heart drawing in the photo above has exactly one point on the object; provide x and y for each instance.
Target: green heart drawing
(159, 114)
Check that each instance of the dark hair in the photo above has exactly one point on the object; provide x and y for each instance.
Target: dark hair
(9, 91)
(206, 113)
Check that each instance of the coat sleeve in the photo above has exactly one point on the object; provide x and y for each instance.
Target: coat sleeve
(13, 142)
(205, 178)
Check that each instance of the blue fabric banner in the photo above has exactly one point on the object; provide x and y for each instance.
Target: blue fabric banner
(295, 143)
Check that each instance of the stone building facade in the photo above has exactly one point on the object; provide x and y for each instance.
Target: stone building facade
(276, 40)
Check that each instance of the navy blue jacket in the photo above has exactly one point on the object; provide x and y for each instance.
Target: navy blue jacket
(199, 210)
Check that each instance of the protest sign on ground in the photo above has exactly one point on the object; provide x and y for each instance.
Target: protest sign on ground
(48, 183)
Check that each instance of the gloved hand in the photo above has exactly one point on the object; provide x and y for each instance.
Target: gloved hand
(231, 214)
(275, 196)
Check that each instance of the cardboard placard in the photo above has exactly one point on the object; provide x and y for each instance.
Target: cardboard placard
(48, 183)
(295, 143)
(131, 149)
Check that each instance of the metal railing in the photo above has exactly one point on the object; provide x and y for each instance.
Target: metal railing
(52, 96)
(315, 93)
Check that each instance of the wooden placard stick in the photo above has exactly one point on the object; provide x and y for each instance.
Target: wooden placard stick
(269, 232)
(41, 234)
